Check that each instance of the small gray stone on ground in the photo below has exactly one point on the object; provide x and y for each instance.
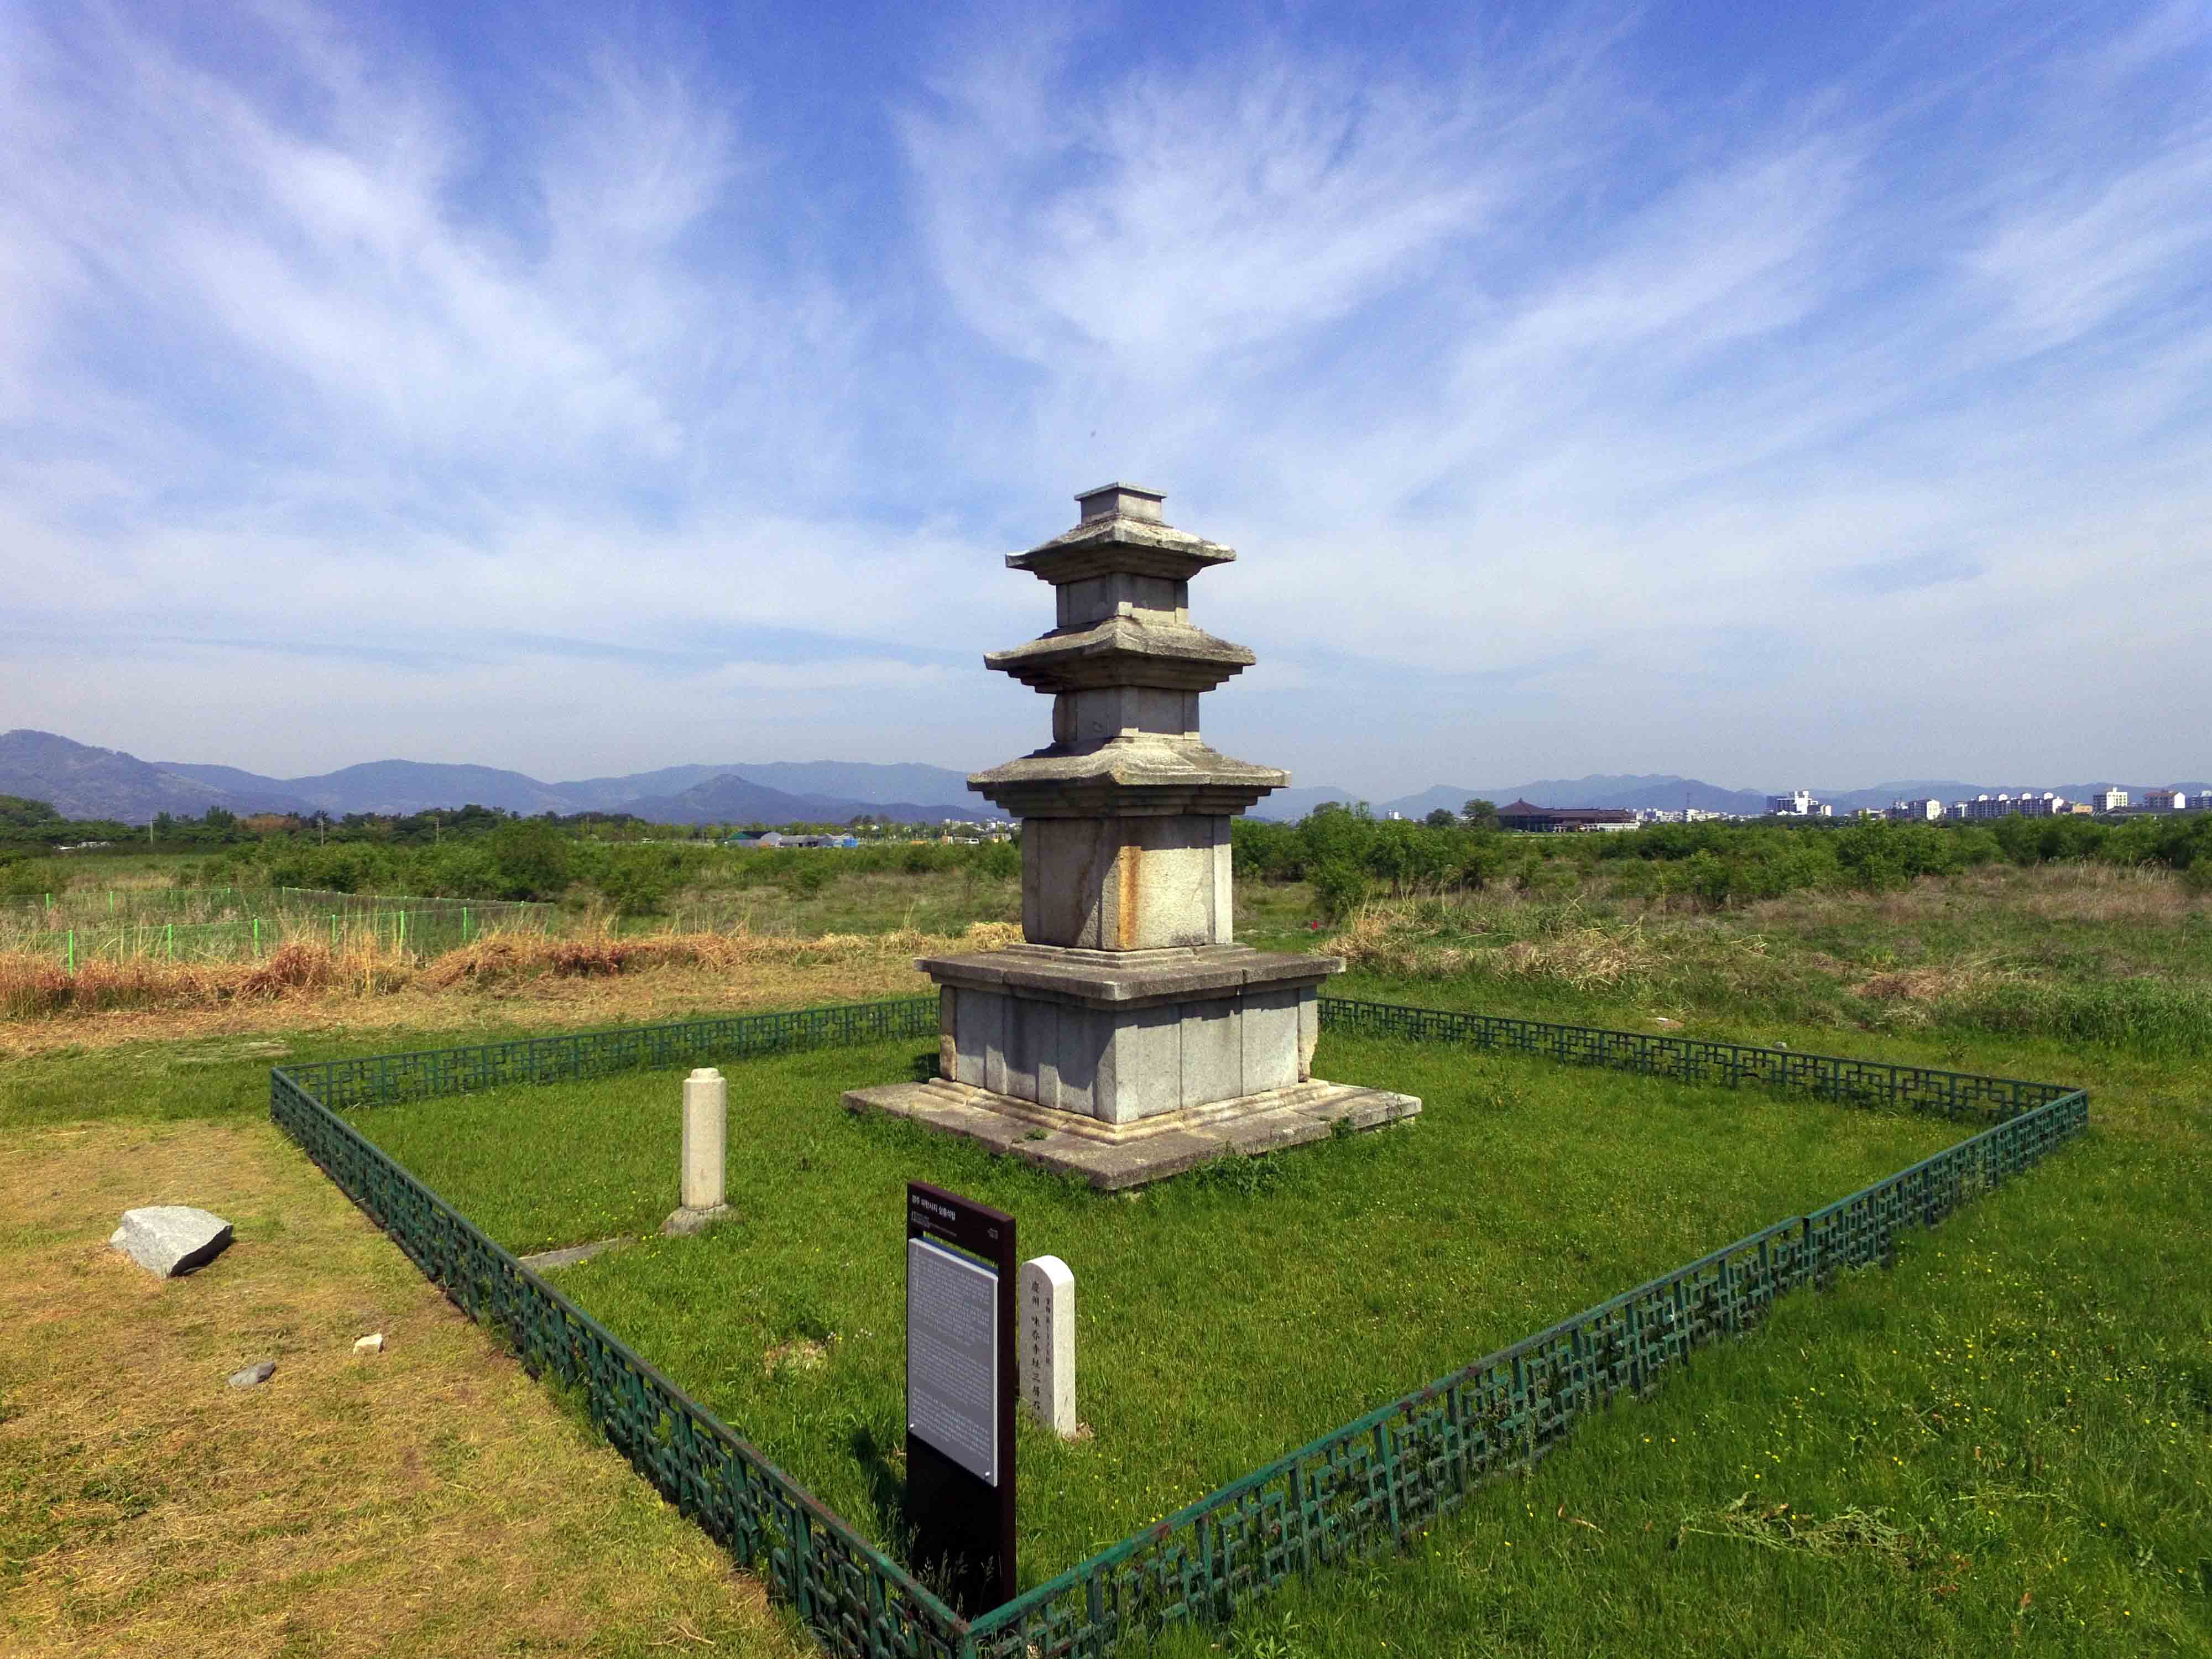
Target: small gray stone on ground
(169, 1239)
(254, 1375)
(569, 1255)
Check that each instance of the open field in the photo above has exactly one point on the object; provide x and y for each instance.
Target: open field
(2081, 1290)
(504, 980)
(2117, 958)
(2120, 958)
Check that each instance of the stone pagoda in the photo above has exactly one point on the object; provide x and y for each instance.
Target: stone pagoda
(1129, 1036)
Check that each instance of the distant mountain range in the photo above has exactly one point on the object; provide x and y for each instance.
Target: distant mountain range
(80, 781)
(84, 782)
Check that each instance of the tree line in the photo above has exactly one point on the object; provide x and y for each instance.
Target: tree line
(1348, 854)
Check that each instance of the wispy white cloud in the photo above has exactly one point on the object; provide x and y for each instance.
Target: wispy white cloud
(1505, 369)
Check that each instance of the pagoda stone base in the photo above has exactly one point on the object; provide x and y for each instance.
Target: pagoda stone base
(1112, 1157)
(1126, 1066)
(1117, 1035)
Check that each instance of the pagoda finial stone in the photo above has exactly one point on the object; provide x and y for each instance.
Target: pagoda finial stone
(1120, 501)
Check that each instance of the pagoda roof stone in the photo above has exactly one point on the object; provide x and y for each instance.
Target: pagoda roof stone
(1123, 650)
(1121, 533)
(1126, 777)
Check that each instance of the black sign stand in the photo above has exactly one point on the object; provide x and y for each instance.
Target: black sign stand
(963, 1525)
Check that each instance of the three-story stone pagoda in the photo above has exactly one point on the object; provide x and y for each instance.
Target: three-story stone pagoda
(1129, 1037)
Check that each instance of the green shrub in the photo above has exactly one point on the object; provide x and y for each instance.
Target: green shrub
(1340, 885)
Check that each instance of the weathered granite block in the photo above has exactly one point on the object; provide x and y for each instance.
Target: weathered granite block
(1117, 1041)
(171, 1239)
(1140, 883)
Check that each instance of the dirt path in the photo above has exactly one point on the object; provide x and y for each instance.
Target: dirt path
(429, 1500)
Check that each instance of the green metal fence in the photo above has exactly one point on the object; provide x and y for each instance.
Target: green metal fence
(1955, 1095)
(1368, 1485)
(1379, 1479)
(856, 1598)
(381, 1079)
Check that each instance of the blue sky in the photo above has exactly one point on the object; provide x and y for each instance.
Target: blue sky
(1813, 394)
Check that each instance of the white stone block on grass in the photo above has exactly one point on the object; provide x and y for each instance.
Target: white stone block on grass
(170, 1239)
(1046, 1314)
(705, 1138)
(706, 1146)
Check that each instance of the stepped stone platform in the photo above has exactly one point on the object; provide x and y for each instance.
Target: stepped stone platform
(1115, 1156)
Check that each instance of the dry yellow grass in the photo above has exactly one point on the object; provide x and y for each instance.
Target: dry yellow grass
(430, 1500)
(2099, 894)
(504, 980)
(1414, 939)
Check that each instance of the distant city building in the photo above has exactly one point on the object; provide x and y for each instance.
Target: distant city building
(2110, 800)
(2003, 805)
(2166, 800)
(1916, 811)
(1797, 804)
(1555, 820)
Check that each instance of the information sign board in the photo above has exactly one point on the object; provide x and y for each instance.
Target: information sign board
(953, 1356)
(960, 1393)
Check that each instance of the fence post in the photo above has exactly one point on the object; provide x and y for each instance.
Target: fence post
(169, 937)
(465, 924)
(72, 952)
(256, 938)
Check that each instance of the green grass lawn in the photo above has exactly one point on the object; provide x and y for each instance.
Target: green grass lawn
(2002, 1445)
(1223, 1318)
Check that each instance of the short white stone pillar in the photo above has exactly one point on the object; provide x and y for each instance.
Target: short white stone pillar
(1046, 1316)
(706, 1143)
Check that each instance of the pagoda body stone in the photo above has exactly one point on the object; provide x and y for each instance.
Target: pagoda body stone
(1130, 1035)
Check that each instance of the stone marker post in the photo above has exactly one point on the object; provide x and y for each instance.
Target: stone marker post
(705, 1141)
(1048, 1329)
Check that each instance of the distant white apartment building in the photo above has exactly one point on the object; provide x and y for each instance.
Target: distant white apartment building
(1916, 811)
(2109, 800)
(1985, 806)
(2044, 805)
(2166, 800)
(1798, 803)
